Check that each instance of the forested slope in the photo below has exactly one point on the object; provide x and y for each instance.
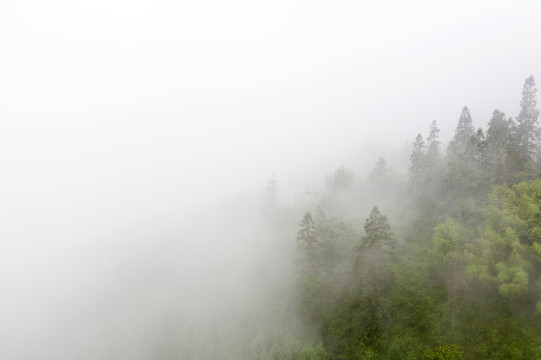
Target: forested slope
(454, 272)
(441, 262)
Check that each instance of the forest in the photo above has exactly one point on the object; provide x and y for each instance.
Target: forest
(280, 180)
(446, 264)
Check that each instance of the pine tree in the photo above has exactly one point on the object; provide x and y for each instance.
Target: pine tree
(433, 145)
(463, 133)
(528, 131)
(479, 150)
(515, 164)
(378, 231)
(497, 133)
(460, 177)
(307, 235)
(432, 179)
(498, 138)
(417, 167)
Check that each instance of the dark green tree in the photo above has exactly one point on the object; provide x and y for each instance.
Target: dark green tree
(372, 281)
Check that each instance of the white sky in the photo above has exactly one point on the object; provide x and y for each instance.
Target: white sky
(107, 106)
(192, 92)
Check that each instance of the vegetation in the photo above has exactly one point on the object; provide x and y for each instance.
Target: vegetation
(441, 263)
(458, 277)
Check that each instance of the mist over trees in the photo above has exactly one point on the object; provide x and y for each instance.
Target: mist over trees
(445, 263)
(281, 180)
(439, 261)
(435, 256)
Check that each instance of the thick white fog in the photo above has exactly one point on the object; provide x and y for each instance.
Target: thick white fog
(134, 134)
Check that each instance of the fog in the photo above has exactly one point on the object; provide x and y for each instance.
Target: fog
(137, 139)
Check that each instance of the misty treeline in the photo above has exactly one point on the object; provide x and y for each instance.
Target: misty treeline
(442, 261)
(459, 276)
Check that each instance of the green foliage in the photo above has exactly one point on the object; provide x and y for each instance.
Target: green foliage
(378, 231)
(418, 169)
(528, 132)
(499, 146)
(292, 349)
(513, 280)
(463, 133)
(433, 146)
(392, 303)
(464, 267)
(450, 352)
(448, 240)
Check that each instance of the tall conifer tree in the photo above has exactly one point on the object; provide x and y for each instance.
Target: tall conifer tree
(417, 167)
(528, 130)
(463, 133)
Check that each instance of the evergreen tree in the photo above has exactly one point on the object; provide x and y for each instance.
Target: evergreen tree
(515, 164)
(528, 130)
(417, 167)
(480, 286)
(479, 150)
(378, 231)
(463, 133)
(370, 262)
(498, 139)
(372, 282)
(307, 234)
(433, 145)
(461, 177)
(497, 134)
(433, 168)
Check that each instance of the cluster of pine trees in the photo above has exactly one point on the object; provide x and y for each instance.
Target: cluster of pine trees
(458, 277)
(506, 153)
(447, 266)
